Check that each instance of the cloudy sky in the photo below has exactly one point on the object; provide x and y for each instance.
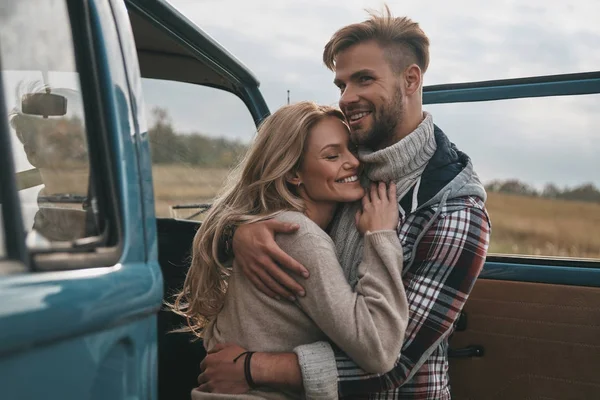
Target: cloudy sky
(537, 140)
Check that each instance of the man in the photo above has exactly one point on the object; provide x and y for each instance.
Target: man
(444, 230)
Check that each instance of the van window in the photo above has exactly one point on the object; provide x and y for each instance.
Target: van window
(47, 122)
(538, 159)
(197, 135)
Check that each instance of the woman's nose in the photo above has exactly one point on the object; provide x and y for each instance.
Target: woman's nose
(352, 162)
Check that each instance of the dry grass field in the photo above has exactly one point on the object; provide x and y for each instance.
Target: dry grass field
(520, 225)
(180, 184)
(538, 226)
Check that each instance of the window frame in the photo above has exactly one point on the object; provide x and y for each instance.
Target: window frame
(518, 88)
(105, 249)
(14, 244)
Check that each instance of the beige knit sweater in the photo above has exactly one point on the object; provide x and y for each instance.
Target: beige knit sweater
(368, 324)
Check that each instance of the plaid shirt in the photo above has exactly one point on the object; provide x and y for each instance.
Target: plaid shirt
(438, 276)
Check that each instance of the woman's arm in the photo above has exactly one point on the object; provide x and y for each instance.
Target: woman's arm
(369, 322)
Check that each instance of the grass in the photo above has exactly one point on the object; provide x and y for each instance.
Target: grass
(520, 224)
(548, 227)
(181, 184)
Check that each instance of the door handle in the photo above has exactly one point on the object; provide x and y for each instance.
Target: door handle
(469, 351)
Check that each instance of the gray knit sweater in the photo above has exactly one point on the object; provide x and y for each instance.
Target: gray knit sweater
(402, 163)
(366, 323)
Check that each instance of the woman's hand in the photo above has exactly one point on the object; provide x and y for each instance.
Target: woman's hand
(379, 209)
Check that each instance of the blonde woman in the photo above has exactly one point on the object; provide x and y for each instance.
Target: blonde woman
(298, 169)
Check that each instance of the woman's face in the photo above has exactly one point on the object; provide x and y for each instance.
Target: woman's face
(329, 170)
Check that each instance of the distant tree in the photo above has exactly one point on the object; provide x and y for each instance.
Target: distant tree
(551, 191)
(164, 144)
(493, 186)
(585, 192)
(169, 147)
(515, 186)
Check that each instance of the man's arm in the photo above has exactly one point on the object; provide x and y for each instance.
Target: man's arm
(220, 374)
(446, 264)
(262, 260)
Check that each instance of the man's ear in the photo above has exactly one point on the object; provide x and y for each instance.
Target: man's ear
(413, 78)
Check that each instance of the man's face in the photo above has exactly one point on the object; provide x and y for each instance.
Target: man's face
(371, 94)
(51, 143)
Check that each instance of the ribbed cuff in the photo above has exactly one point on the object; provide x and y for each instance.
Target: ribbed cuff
(382, 235)
(319, 370)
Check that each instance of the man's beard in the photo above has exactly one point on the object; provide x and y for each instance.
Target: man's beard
(385, 122)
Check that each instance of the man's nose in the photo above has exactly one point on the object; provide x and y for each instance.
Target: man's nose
(348, 97)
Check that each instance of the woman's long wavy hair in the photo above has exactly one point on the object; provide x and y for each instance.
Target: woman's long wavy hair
(257, 189)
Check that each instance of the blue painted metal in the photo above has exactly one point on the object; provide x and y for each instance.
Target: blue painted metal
(552, 274)
(553, 85)
(44, 308)
(91, 334)
(255, 103)
(128, 63)
(120, 126)
(98, 366)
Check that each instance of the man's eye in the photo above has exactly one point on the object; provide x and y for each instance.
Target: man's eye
(364, 79)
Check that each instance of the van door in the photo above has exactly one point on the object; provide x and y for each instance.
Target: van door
(531, 326)
(79, 289)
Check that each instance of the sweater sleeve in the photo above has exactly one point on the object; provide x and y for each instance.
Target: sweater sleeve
(368, 324)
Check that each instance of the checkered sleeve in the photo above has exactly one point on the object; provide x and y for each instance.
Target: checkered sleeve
(444, 267)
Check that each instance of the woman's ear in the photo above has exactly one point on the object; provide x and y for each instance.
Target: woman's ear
(293, 178)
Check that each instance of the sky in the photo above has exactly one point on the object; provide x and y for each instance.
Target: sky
(536, 140)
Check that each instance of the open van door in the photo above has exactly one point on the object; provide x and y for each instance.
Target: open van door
(530, 329)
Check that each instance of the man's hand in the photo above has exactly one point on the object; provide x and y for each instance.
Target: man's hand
(220, 374)
(261, 259)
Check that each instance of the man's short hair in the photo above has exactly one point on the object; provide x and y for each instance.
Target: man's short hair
(402, 40)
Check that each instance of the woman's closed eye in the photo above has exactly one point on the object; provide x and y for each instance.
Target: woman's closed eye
(332, 156)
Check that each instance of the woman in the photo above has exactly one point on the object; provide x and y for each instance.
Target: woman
(298, 170)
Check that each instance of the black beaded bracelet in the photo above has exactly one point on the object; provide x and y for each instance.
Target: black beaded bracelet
(247, 372)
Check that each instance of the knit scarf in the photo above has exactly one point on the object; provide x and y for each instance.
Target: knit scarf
(403, 162)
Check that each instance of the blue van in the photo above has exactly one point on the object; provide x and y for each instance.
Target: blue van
(81, 290)
(118, 123)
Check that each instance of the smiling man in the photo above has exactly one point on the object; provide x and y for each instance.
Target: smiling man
(444, 229)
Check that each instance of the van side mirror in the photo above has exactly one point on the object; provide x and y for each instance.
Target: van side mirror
(44, 104)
